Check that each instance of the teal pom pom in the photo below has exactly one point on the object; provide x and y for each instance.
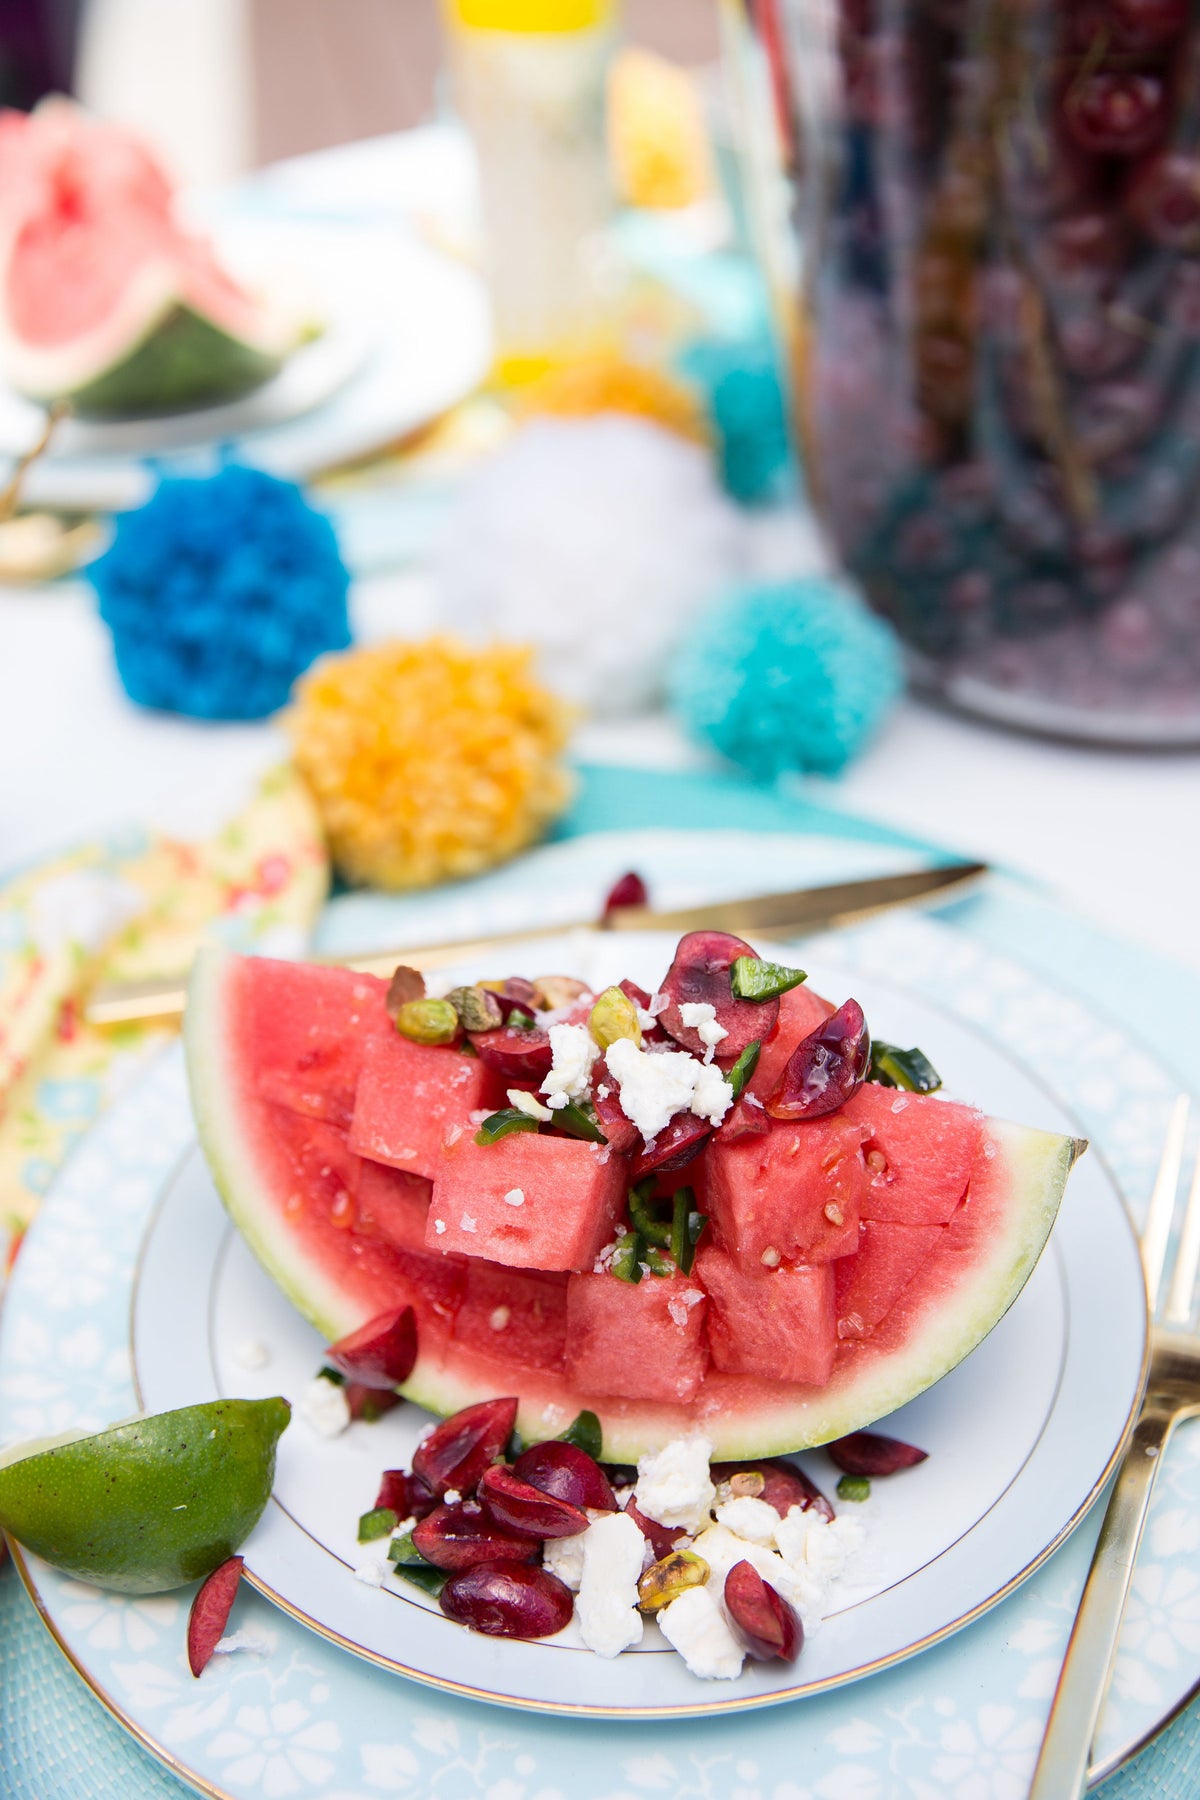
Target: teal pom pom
(744, 395)
(792, 675)
(219, 592)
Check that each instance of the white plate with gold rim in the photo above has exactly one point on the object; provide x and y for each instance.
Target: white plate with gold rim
(1020, 1436)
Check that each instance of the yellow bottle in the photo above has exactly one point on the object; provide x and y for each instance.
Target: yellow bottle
(530, 80)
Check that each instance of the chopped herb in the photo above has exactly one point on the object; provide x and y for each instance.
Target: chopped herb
(578, 1119)
(648, 1224)
(744, 1067)
(696, 1224)
(381, 1521)
(334, 1375)
(519, 1020)
(627, 1257)
(408, 1561)
(499, 1124)
(896, 1068)
(682, 1248)
(514, 1446)
(403, 1550)
(854, 1487)
(753, 979)
(584, 1432)
(657, 1261)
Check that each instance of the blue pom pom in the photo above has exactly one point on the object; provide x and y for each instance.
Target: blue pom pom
(795, 675)
(219, 592)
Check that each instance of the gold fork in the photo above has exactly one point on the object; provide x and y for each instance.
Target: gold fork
(1172, 1394)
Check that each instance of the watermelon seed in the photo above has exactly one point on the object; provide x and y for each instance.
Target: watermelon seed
(770, 1257)
(834, 1213)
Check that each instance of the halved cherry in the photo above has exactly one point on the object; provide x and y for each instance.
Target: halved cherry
(520, 1058)
(457, 1451)
(825, 1068)
(700, 973)
(407, 1495)
(762, 1618)
(524, 1508)
(620, 1131)
(370, 1403)
(682, 1138)
(458, 1537)
(381, 1353)
(505, 1598)
(568, 1473)
(627, 890)
(516, 994)
(870, 1453)
(784, 1485)
(210, 1613)
(661, 1538)
(747, 1117)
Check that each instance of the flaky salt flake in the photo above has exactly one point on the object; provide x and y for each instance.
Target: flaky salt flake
(467, 1223)
(439, 1225)
(514, 1197)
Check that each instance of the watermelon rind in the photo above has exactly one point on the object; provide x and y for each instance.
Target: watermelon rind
(156, 354)
(1026, 1172)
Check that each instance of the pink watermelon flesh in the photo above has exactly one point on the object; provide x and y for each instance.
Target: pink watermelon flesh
(924, 1148)
(870, 1283)
(779, 1323)
(794, 1193)
(518, 1316)
(800, 1011)
(757, 1363)
(532, 1202)
(411, 1095)
(641, 1339)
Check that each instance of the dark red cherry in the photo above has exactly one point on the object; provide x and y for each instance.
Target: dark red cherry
(700, 973)
(520, 1058)
(458, 1537)
(456, 1453)
(381, 1353)
(870, 1453)
(504, 1598)
(784, 1485)
(682, 1138)
(661, 1538)
(568, 1473)
(1164, 198)
(406, 1495)
(521, 1507)
(762, 1618)
(627, 890)
(620, 1131)
(825, 1068)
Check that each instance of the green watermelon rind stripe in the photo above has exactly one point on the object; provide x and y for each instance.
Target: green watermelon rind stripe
(183, 361)
(1037, 1162)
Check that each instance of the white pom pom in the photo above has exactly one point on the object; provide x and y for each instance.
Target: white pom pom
(595, 539)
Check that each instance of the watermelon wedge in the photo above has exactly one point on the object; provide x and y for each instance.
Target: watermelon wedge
(105, 300)
(940, 1217)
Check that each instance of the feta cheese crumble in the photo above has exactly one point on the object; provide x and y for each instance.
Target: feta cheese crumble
(701, 1017)
(606, 1609)
(749, 1518)
(371, 1571)
(324, 1408)
(574, 1051)
(655, 1085)
(515, 1197)
(467, 1223)
(696, 1627)
(439, 1225)
(674, 1486)
(252, 1353)
(253, 1641)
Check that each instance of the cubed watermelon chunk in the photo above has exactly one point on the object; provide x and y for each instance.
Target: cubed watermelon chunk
(411, 1096)
(393, 1205)
(869, 1284)
(518, 1316)
(310, 1063)
(779, 1323)
(800, 1012)
(642, 1339)
(919, 1151)
(791, 1195)
(529, 1201)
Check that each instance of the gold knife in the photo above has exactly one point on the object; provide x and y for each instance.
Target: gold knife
(765, 915)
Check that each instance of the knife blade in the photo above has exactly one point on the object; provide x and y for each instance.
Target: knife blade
(789, 914)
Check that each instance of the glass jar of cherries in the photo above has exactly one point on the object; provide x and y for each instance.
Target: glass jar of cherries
(999, 355)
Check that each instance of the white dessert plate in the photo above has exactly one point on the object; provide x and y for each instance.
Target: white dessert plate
(1020, 1437)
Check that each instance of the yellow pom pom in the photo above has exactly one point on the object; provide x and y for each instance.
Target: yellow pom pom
(429, 761)
(658, 140)
(615, 384)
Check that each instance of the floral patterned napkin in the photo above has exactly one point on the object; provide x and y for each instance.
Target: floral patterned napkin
(130, 908)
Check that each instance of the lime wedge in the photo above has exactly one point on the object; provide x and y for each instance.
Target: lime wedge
(150, 1504)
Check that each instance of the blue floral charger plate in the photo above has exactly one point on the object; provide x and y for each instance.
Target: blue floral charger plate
(300, 1716)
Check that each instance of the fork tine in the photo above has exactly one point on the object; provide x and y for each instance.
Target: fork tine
(1162, 1201)
(1187, 1258)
